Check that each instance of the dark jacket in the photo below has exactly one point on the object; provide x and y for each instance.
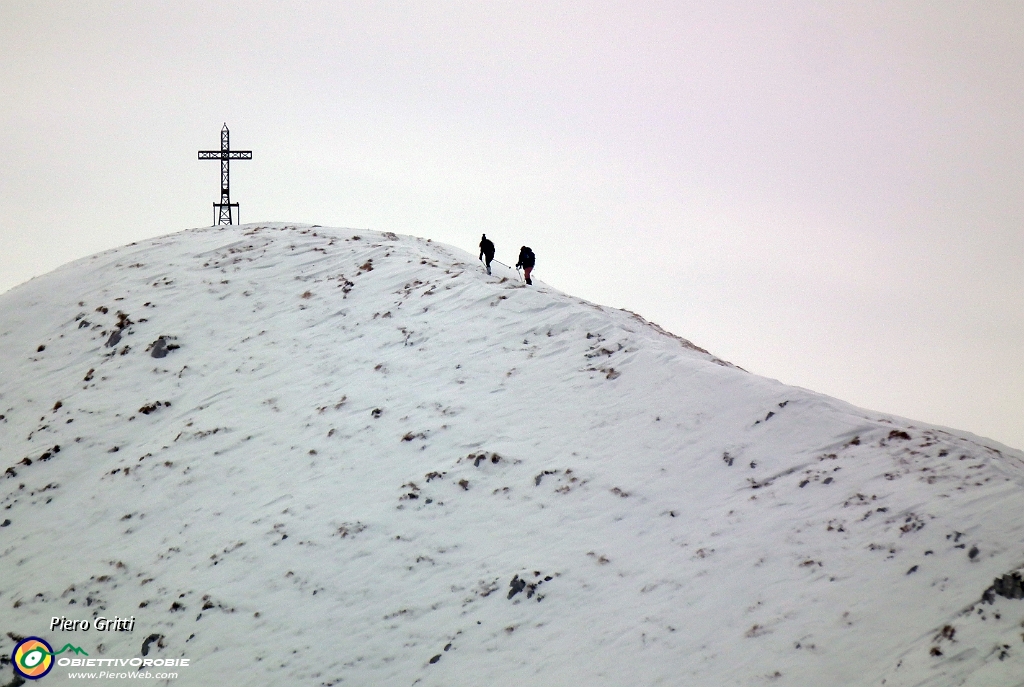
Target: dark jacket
(526, 258)
(486, 248)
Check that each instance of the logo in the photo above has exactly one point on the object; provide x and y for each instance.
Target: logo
(33, 657)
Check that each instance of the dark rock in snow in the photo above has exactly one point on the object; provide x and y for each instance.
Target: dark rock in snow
(18, 681)
(1009, 586)
(159, 348)
(149, 640)
(516, 585)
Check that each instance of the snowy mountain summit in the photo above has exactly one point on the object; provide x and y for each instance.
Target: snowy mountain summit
(308, 456)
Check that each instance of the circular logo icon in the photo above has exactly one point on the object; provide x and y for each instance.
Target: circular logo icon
(32, 658)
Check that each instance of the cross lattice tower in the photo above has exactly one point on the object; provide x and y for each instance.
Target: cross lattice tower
(222, 210)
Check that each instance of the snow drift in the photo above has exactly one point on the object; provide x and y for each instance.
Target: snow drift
(299, 455)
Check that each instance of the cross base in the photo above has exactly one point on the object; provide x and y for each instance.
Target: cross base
(222, 213)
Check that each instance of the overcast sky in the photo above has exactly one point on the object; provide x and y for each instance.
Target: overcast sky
(827, 193)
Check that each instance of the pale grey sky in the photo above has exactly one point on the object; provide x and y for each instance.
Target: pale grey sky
(827, 193)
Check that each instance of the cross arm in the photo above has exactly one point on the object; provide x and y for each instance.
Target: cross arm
(225, 155)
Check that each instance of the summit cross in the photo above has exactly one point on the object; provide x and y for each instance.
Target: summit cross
(222, 210)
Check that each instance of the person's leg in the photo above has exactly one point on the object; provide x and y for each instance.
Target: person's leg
(526, 273)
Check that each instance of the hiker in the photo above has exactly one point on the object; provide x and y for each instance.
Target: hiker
(486, 251)
(526, 260)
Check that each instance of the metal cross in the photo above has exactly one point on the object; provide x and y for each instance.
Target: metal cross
(222, 210)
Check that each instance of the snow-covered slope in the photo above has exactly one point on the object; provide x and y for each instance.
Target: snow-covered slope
(307, 456)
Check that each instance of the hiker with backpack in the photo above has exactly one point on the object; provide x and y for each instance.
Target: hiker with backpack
(486, 251)
(526, 260)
